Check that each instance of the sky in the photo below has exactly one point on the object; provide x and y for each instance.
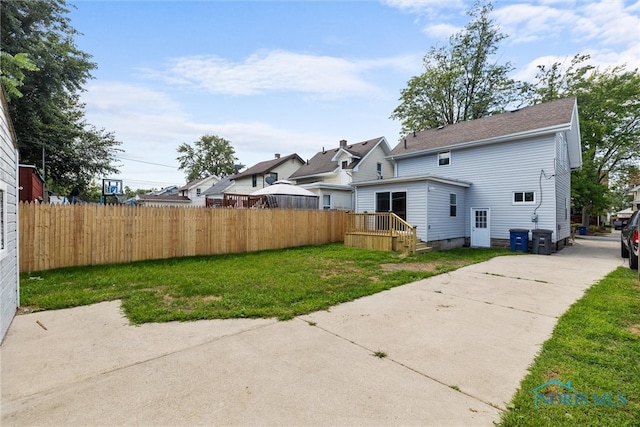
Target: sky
(299, 76)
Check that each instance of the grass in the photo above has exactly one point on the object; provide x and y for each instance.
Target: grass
(596, 346)
(279, 283)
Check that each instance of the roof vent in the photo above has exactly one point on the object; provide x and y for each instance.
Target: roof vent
(441, 127)
(277, 155)
(515, 111)
(343, 143)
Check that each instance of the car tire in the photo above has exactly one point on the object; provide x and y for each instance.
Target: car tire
(624, 252)
(633, 261)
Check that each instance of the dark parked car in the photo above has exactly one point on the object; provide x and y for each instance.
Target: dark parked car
(619, 224)
(629, 241)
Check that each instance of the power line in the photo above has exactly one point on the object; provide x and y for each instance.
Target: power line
(149, 163)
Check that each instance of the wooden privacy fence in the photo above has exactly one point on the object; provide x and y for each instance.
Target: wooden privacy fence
(53, 236)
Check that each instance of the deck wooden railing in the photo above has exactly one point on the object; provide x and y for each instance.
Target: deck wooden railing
(386, 230)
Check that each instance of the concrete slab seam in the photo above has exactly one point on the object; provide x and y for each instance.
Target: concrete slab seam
(397, 362)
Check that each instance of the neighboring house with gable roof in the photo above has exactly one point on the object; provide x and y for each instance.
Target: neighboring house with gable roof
(194, 190)
(330, 173)
(264, 174)
(471, 182)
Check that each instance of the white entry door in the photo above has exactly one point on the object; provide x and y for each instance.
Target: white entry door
(480, 227)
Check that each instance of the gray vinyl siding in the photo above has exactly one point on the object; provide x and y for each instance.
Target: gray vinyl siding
(9, 298)
(496, 171)
(440, 224)
(416, 202)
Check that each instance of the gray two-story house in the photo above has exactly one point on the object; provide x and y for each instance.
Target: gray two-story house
(470, 183)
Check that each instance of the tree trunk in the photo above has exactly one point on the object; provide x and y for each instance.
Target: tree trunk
(585, 215)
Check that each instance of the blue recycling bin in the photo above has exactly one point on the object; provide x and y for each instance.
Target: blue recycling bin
(519, 240)
(582, 230)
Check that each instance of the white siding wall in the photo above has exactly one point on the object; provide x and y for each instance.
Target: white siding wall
(440, 224)
(416, 202)
(368, 169)
(496, 171)
(9, 296)
(341, 200)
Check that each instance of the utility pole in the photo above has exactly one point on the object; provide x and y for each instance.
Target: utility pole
(45, 194)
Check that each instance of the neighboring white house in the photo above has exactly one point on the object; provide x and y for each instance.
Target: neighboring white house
(195, 189)
(264, 174)
(330, 173)
(471, 182)
(9, 277)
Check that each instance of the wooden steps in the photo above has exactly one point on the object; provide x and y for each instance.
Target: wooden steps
(421, 247)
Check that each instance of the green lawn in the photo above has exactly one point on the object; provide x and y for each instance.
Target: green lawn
(280, 283)
(595, 346)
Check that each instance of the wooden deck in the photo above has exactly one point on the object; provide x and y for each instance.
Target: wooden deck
(380, 231)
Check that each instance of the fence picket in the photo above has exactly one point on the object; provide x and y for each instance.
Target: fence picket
(54, 236)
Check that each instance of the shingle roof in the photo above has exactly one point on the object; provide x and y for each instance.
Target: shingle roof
(267, 166)
(528, 119)
(193, 183)
(322, 161)
(220, 186)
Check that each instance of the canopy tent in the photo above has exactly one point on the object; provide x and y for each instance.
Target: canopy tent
(283, 188)
(283, 194)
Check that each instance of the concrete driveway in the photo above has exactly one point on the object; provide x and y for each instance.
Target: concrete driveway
(457, 346)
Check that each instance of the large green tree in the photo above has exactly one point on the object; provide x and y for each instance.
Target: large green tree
(45, 74)
(609, 115)
(461, 81)
(210, 155)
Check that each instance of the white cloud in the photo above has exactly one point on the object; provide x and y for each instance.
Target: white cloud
(526, 22)
(152, 126)
(276, 71)
(441, 31)
(421, 5)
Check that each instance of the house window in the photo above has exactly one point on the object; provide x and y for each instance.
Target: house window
(326, 201)
(273, 176)
(524, 197)
(344, 164)
(453, 204)
(379, 170)
(198, 192)
(444, 158)
(254, 180)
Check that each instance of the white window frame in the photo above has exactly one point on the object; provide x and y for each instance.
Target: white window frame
(324, 205)
(442, 156)
(453, 205)
(524, 202)
(379, 170)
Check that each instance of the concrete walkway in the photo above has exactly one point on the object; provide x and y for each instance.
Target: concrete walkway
(457, 347)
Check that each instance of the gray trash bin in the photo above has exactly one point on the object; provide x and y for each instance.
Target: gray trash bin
(541, 241)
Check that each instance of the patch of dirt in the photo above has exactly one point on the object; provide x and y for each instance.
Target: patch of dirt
(422, 266)
(26, 310)
(634, 329)
(212, 298)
